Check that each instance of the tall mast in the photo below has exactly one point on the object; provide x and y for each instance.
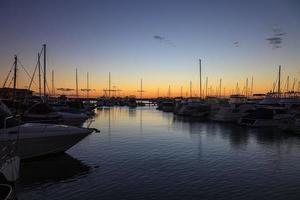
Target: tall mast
(87, 84)
(141, 88)
(157, 92)
(200, 92)
(287, 83)
(40, 79)
(76, 83)
(169, 91)
(109, 84)
(206, 83)
(252, 86)
(15, 75)
(220, 93)
(191, 89)
(181, 91)
(53, 89)
(45, 69)
(246, 89)
(279, 76)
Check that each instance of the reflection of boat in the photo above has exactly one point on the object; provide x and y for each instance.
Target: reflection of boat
(37, 139)
(291, 124)
(263, 117)
(58, 168)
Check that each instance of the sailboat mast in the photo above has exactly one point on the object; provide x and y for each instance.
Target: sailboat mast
(53, 89)
(279, 76)
(220, 89)
(45, 69)
(252, 86)
(169, 91)
(40, 79)
(191, 89)
(76, 83)
(200, 85)
(181, 91)
(15, 75)
(87, 84)
(109, 84)
(141, 88)
(287, 83)
(206, 84)
(246, 89)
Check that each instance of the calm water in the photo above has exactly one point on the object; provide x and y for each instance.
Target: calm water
(147, 154)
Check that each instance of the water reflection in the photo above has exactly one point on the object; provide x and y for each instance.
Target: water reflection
(51, 170)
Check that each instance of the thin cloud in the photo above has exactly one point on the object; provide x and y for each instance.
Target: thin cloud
(65, 89)
(277, 38)
(236, 44)
(164, 40)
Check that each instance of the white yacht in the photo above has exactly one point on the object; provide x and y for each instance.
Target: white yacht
(38, 139)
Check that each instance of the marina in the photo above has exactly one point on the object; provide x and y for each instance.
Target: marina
(148, 100)
(146, 153)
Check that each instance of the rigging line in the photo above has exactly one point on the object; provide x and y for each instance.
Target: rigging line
(10, 82)
(7, 77)
(25, 70)
(32, 76)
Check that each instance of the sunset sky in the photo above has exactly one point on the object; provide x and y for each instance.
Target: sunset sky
(158, 41)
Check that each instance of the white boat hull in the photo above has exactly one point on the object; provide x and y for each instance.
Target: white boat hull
(37, 140)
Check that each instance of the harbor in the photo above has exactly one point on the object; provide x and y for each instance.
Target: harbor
(140, 100)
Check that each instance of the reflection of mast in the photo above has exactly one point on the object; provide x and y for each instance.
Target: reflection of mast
(141, 121)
